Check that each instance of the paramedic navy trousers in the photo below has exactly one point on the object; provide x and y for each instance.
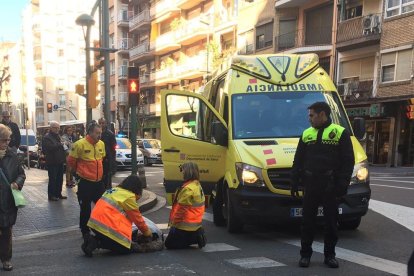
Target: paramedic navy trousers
(319, 191)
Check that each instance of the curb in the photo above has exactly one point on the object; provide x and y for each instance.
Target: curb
(145, 206)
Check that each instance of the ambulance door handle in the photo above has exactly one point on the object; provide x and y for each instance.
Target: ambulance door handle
(172, 150)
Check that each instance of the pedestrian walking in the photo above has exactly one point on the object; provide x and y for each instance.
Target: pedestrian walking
(15, 176)
(323, 162)
(85, 160)
(15, 137)
(53, 148)
(187, 212)
(68, 138)
(109, 162)
(111, 219)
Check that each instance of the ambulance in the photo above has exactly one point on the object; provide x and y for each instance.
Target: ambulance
(242, 130)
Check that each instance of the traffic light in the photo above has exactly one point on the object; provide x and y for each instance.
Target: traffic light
(93, 93)
(97, 57)
(49, 107)
(133, 85)
(80, 89)
(410, 111)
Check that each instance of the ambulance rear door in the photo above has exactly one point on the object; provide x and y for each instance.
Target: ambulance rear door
(191, 131)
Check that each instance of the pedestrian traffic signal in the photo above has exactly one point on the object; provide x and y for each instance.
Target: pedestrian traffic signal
(49, 107)
(410, 111)
(133, 85)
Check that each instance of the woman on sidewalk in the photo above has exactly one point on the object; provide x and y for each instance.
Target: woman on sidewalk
(187, 212)
(111, 219)
(15, 177)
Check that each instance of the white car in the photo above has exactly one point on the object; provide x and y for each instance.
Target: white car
(123, 153)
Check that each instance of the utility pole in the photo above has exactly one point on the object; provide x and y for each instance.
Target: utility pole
(105, 40)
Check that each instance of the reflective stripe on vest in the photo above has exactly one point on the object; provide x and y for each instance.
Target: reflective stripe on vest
(113, 204)
(104, 230)
(330, 135)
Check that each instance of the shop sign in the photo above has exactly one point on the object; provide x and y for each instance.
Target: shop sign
(374, 110)
(154, 123)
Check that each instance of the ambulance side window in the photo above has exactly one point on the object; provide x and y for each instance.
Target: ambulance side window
(190, 118)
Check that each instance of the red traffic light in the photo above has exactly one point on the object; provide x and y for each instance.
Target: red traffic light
(133, 86)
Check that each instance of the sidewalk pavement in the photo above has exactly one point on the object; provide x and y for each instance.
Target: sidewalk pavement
(376, 171)
(41, 215)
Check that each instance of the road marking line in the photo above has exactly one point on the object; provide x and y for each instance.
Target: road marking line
(389, 186)
(400, 214)
(391, 177)
(358, 258)
(218, 247)
(254, 262)
(402, 181)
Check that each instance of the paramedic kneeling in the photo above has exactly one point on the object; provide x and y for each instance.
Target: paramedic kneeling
(324, 161)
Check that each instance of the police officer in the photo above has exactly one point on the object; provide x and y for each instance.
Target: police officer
(324, 162)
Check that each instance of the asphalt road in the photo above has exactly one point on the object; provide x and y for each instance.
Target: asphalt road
(381, 245)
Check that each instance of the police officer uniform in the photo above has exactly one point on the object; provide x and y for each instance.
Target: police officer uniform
(323, 163)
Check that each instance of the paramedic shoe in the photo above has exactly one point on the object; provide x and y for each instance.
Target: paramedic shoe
(304, 261)
(331, 262)
(89, 246)
(201, 239)
(7, 266)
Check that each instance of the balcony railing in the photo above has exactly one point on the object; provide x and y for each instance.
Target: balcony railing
(139, 50)
(139, 19)
(303, 38)
(123, 96)
(191, 28)
(146, 78)
(361, 28)
(163, 41)
(356, 90)
(39, 103)
(124, 44)
(122, 72)
(193, 65)
(123, 18)
(162, 7)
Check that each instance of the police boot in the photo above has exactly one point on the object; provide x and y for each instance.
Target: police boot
(89, 246)
(331, 262)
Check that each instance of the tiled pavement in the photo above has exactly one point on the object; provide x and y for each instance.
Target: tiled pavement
(41, 215)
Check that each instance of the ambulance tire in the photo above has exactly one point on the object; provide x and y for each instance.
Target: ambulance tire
(350, 224)
(234, 224)
(218, 217)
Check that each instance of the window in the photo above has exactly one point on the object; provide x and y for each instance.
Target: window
(246, 42)
(112, 67)
(396, 66)
(60, 53)
(397, 7)
(264, 36)
(353, 12)
(287, 34)
(62, 100)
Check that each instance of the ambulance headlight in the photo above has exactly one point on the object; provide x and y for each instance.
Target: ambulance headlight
(360, 173)
(249, 175)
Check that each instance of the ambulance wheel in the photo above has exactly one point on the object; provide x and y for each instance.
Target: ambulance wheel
(234, 224)
(350, 224)
(218, 217)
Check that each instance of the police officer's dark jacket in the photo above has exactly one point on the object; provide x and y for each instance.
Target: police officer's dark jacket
(328, 148)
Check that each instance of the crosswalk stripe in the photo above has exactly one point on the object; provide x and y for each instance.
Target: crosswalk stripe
(401, 214)
(254, 262)
(218, 247)
(390, 186)
(394, 180)
(358, 258)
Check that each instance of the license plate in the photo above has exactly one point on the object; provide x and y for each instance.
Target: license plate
(298, 212)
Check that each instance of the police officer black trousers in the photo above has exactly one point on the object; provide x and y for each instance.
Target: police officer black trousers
(319, 191)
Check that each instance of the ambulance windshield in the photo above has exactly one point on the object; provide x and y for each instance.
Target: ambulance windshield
(279, 115)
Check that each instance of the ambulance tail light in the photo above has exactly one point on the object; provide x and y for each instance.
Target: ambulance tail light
(306, 63)
(360, 173)
(249, 175)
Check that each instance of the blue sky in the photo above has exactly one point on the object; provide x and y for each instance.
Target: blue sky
(11, 18)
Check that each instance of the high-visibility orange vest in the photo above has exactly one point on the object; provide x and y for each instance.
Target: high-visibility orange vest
(188, 207)
(113, 216)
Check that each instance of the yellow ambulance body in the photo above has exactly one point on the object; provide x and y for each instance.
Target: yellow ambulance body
(243, 129)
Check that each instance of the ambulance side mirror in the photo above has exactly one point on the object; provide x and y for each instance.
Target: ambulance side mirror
(359, 128)
(219, 133)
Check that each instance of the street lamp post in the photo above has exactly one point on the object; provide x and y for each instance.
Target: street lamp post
(85, 20)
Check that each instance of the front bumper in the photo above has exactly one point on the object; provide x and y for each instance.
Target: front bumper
(154, 160)
(258, 205)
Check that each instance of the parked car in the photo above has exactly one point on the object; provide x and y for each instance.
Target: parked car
(28, 141)
(151, 148)
(123, 153)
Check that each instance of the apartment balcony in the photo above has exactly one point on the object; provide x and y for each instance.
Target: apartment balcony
(122, 72)
(122, 19)
(122, 96)
(192, 67)
(299, 41)
(164, 9)
(141, 51)
(141, 21)
(102, 77)
(123, 45)
(192, 31)
(147, 80)
(166, 75)
(359, 32)
(165, 43)
(290, 3)
(356, 91)
(225, 22)
(187, 4)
